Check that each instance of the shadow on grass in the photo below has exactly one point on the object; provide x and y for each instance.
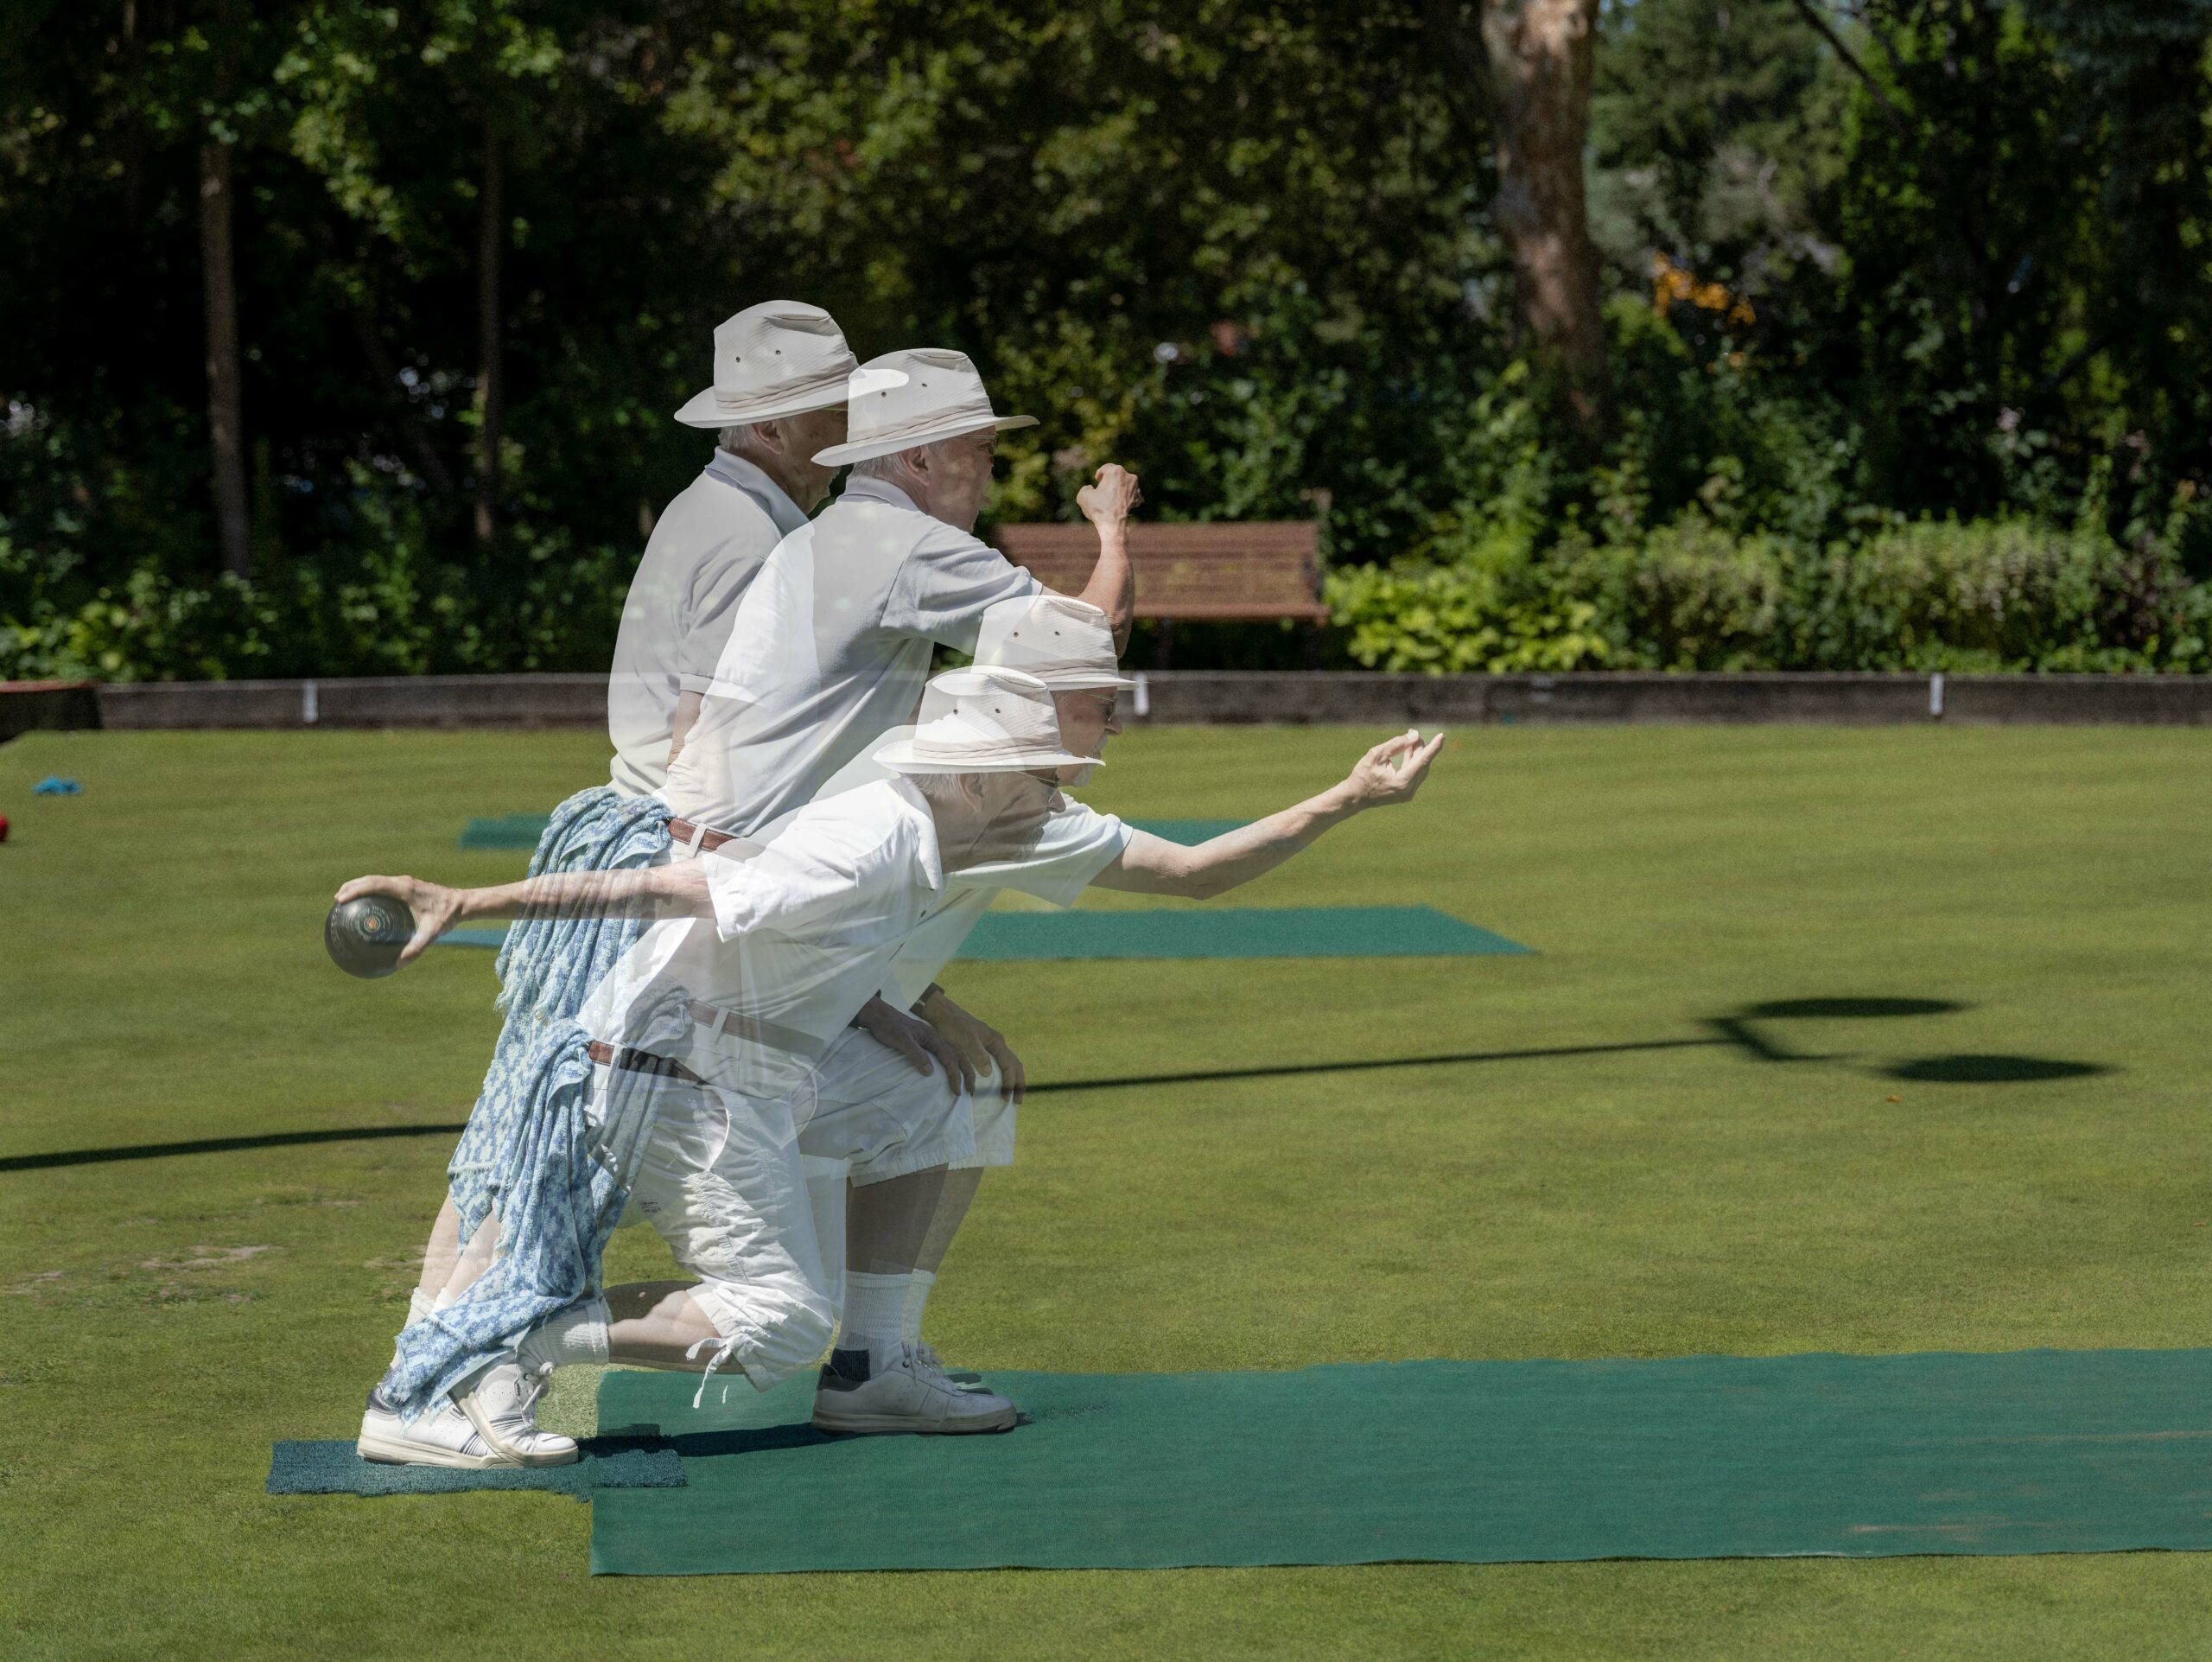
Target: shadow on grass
(1992, 1070)
(1740, 1031)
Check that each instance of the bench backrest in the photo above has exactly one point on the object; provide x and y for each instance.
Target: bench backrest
(1226, 572)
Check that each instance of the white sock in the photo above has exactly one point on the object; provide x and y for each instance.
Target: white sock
(578, 1334)
(418, 1306)
(875, 1313)
(917, 1295)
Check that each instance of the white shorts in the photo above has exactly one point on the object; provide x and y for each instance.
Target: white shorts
(989, 1118)
(722, 1179)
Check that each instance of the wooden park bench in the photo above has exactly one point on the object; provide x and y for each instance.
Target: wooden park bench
(1212, 573)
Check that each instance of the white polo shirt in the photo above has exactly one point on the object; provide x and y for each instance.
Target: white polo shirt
(704, 554)
(1073, 845)
(829, 650)
(805, 924)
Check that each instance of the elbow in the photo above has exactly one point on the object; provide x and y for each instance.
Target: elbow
(1205, 885)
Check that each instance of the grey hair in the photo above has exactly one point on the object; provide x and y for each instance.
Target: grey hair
(889, 468)
(944, 788)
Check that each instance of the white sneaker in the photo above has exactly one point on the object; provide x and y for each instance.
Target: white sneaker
(500, 1401)
(442, 1437)
(902, 1396)
(926, 1357)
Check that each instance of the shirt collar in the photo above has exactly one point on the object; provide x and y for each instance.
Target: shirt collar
(918, 804)
(747, 476)
(878, 490)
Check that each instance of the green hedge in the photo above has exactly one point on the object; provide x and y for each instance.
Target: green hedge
(2010, 594)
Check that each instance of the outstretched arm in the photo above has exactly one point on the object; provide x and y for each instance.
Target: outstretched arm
(671, 891)
(1391, 773)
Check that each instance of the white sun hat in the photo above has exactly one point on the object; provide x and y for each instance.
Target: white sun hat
(982, 721)
(916, 397)
(1066, 643)
(773, 360)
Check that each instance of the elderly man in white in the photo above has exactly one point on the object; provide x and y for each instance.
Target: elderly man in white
(707, 1114)
(1068, 645)
(830, 881)
(834, 641)
(781, 376)
(898, 570)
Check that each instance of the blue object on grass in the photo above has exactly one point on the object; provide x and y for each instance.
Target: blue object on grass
(55, 784)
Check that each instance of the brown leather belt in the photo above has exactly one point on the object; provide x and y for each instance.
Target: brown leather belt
(698, 839)
(640, 1061)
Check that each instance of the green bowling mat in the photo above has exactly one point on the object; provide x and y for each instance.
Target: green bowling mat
(522, 830)
(514, 830)
(1468, 1462)
(1234, 932)
(1216, 932)
(333, 1468)
(1189, 832)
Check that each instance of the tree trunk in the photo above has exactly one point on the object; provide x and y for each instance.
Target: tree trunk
(490, 238)
(1533, 59)
(225, 417)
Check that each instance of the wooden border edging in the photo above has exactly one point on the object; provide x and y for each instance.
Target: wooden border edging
(1195, 698)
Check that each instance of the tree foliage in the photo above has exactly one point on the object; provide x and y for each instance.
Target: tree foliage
(1863, 264)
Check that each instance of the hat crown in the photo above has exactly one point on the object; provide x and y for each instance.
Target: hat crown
(1065, 642)
(774, 359)
(922, 391)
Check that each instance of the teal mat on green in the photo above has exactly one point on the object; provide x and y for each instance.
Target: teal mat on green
(1234, 932)
(1467, 1463)
(1216, 932)
(1189, 832)
(333, 1468)
(522, 830)
(514, 830)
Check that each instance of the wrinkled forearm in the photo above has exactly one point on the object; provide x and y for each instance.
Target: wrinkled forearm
(1113, 585)
(1153, 865)
(671, 891)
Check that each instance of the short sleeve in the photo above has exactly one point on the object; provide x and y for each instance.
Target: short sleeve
(946, 585)
(796, 881)
(709, 612)
(1072, 847)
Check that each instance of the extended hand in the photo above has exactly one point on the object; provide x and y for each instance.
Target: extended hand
(436, 908)
(1111, 496)
(1393, 770)
(983, 1045)
(922, 1045)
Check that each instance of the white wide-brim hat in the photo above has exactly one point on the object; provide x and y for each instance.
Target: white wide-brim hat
(1066, 643)
(779, 358)
(916, 397)
(982, 721)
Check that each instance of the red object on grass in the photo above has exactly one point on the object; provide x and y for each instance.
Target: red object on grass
(3, 827)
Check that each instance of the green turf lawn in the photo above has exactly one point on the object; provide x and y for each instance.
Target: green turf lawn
(165, 1319)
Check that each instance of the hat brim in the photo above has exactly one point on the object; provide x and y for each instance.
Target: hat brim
(707, 410)
(843, 456)
(1080, 680)
(899, 757)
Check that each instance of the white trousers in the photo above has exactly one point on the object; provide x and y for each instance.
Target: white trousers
(723, 1181)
